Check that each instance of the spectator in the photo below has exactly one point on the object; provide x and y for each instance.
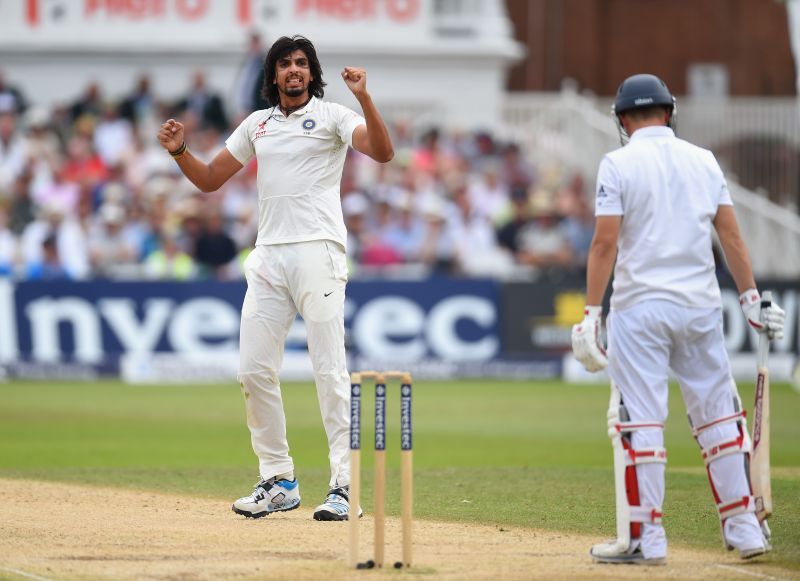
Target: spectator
(43, 145)
(376, 251)
(114, 249)
(437, 250)
(215, 249)
(515, 171)
(240, 208)
(61, 192)
(203, 104)
(139, 108)
(48, 266)
(476, 250)
(168, 261)
(70, 239)
(578, 219)
(11, 98)
(406, 232)
(355, 207)
(83, 165)
(8, 244)
(543, 243)
(88, 106)
(13, 148)
(509, 233)
(248, 97)
(21, 209)
(488, 194)
(113, 135)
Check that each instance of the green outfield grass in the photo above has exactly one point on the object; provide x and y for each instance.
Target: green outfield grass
(531, 454)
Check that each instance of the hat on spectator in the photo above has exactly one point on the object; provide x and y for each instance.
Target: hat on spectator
(433, 208)
(542, 203)
(111, 213)
(37, 117)
(401, 200)
(519, 194)
(159, 187)
(8, 104)
(114, 193)
(355, 204)
(54, 209)
(188, 208)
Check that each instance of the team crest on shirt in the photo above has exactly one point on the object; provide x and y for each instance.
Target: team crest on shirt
(308, 125)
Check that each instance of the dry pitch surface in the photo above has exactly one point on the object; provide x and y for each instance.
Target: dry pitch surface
(57, 531)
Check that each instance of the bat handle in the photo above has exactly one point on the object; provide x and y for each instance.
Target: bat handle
(763, 339)
(766, 299)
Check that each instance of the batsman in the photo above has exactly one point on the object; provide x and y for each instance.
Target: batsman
(657, 199)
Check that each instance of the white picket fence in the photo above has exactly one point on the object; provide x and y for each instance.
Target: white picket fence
(574, 132)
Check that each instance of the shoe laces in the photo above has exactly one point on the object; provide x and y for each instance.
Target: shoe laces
(341, 492)
(262, 486)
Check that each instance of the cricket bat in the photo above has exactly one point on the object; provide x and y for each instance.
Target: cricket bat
(759, 460)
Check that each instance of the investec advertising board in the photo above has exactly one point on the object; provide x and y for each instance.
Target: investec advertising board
(538, 319)
(190, 332)
(156, 332)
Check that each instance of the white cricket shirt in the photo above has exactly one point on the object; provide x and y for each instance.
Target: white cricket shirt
(300, 161)
(668, 192)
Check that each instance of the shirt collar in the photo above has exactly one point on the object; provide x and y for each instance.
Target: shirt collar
(653, 131)
(307, 108)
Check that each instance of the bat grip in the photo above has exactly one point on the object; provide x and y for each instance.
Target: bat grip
(763, 339)
(766, 300)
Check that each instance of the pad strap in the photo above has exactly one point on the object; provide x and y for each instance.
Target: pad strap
(646, 514)
(729, 508)
(645, 456)
(720, 449)
(737, 417)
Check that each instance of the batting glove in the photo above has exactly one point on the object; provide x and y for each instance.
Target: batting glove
(769, 320)
(586, 341)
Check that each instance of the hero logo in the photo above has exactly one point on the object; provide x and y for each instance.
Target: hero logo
(643, 101)
(398, 329)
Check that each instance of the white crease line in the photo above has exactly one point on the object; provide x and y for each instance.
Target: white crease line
(743, 571)
(24, 574)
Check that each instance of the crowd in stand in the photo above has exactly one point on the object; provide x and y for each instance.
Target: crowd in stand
(87, 192)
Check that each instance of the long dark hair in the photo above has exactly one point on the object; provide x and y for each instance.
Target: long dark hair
(285, 46)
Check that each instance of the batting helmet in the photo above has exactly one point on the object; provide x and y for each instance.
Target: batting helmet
(643, 91)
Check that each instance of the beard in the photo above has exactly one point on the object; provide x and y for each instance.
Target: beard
(294, 91)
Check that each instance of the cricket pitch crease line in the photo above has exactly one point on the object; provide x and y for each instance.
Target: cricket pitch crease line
(744, 571)
(24, 574)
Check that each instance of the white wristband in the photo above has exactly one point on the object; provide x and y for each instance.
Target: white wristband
(592, 312)
(749, 298)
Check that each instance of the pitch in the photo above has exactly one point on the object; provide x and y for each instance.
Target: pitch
(527, 458)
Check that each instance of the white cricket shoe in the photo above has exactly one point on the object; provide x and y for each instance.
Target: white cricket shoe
(269, 496)
(612, 552)
(336, 505)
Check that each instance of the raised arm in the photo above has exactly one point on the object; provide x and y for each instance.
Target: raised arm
(207, 177)
(372, 140)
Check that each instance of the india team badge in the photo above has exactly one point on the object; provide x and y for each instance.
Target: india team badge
(308, 125)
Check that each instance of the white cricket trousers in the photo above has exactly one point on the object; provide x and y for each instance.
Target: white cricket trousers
(282, 280)
(644, 342)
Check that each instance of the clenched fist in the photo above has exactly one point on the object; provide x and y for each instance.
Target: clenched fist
(171, 135)
(356, 80)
